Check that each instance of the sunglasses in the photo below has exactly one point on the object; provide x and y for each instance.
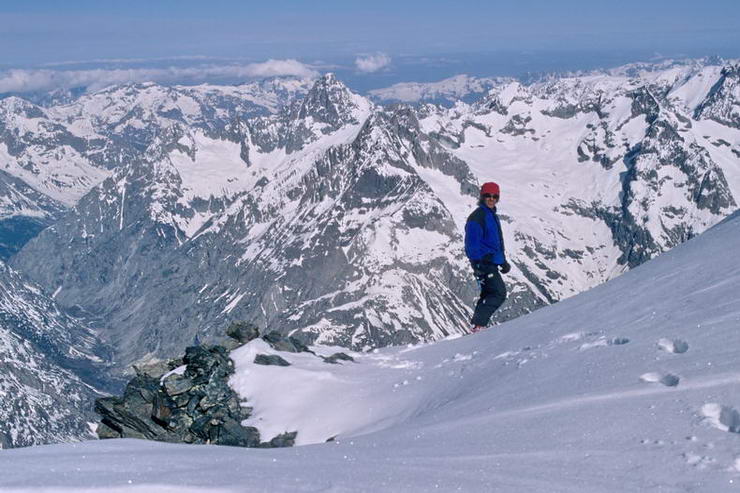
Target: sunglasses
(490, 196)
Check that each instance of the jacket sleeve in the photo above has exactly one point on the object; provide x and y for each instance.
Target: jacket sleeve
(473, 237)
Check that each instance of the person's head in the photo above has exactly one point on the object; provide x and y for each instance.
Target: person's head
(489, 194)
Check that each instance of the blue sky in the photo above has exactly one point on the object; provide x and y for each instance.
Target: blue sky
(509, 37)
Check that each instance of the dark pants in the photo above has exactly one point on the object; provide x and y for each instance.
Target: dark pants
(492, 295)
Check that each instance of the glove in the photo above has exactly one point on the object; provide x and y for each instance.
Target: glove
(505, 267)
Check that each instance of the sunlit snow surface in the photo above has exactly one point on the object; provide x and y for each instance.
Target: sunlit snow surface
(632, 386)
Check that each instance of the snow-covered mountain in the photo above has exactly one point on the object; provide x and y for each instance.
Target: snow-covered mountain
(318, 220)
(600, 173)
(632, 386)
(51, 367)
(51, 157)
(341, 221)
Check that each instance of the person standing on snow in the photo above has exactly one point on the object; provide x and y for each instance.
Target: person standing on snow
(484, 246)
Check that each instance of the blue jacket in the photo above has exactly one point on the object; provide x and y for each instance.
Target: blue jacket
(483, 236)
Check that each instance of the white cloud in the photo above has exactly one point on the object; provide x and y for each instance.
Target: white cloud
(372, 63)
(272, 68)
(27, 80)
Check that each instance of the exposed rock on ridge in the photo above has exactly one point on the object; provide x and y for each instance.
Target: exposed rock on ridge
(189, 399)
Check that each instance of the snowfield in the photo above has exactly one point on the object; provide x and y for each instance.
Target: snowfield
(631, 386)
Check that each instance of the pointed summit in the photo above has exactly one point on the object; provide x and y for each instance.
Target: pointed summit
(330, 101)
(721, 101)
(328, 82)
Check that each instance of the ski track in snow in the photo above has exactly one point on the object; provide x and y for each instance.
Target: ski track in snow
(686, 386)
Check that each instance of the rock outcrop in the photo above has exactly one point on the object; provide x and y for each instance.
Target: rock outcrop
(188, 400)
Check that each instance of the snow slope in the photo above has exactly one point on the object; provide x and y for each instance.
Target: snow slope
(631, 386)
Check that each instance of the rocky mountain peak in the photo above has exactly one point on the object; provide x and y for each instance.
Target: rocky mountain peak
(329, 79)
(330, 101)
(722, 103)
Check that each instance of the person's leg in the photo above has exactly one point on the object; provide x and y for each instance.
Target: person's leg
(477, 315)
(493, 294)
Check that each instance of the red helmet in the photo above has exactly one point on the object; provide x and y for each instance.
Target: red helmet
(490, 187)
